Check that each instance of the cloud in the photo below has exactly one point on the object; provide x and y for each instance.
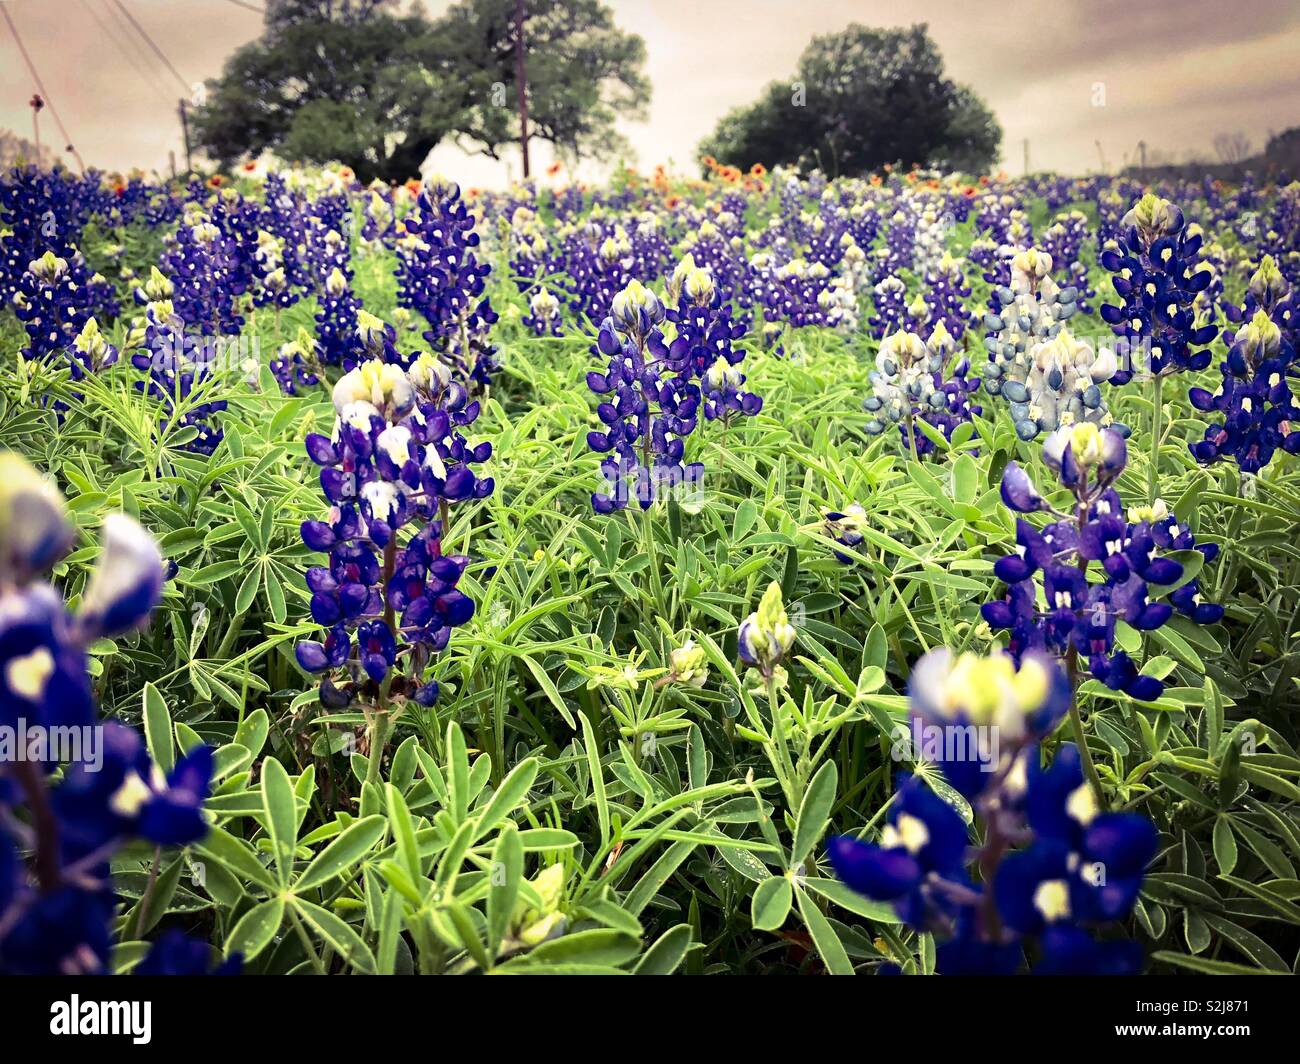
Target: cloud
(1175, 72)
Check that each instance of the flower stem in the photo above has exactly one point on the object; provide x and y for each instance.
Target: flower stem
(378, 730)
(43, 821)
(1153, 469)
(1076, 725)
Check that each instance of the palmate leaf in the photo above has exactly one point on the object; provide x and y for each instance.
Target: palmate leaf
(697, 852)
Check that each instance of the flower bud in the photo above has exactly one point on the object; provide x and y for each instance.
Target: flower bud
(766, 635)
(698, 286)
(381, 384)
(689, 664)
(1030, 266)
(1154, 217)
(636, 309)
(1261, 337)
(34, 528)
(1268, 285)
(126, 583)
(48, 269)
(723, 376)
(429, 374)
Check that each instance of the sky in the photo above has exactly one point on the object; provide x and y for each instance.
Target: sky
(1082, 81)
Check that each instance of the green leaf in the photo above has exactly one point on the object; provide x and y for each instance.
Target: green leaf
(399, 819)
(881, 912)
(666, 955)
(158, 729)
(248, 589)
(457, 772)
(1206, 965)
(549, 689)
(599, 946)
(256, 928)
(828, 943)
(513, 790)
(1225, 845)
(351, 845)
(1248, 943)
(597, 779)
(504, 878)
(281, 815)
(814, 812)
(770, 904)
(339, 934)
(236, 856)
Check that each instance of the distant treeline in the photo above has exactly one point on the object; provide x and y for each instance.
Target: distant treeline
(1280, 161)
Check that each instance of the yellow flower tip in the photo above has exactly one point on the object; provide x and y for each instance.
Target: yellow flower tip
(1085, 443)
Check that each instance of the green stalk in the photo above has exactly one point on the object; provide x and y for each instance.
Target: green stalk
(1076, 726)
(1153, 469)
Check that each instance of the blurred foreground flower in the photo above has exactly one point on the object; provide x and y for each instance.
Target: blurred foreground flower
(1049, 866)
(56, 908)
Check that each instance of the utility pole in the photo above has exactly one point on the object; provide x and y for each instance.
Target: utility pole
(1142, 153)
(185, 132)
(1026, 156)
(171, 160)
(521, 83)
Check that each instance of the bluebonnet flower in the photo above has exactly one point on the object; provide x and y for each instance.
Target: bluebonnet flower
(272, 284)
(645, 413)
(909, 384)
(1256, 401)
(57, 919)
(845, 528)
(839, 301)
(1156, 277)
(703, 347)
(381, 217)
(296, 364)
(946, 294)
(337, 323)
(1077, 618)
(208, 274)
(397, 459)
(55, 298)
(174, 953)
(766, 635)
(797, 287)
(177, 362)
(1076, 867)
(543, 315)
(1063, 241)
(440, 276)
(890, 307)
(1049, 378)
(53, 302)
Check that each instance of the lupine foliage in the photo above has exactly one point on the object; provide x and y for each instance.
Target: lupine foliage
(444, 673)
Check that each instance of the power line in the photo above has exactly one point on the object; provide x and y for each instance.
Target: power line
(157, 76)
(249, 7)
(157, 51)
(134, 45)
(111, 32)
(31, 67)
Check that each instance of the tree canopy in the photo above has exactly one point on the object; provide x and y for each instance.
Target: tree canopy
(358, 81)
(860, 99)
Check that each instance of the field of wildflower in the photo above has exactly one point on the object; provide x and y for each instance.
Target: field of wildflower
(756, 573)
